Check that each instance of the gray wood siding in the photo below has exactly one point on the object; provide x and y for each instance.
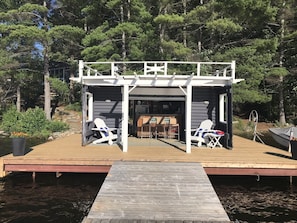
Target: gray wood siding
(108, 105)
(200, 109)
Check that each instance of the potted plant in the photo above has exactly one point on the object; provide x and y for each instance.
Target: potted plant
(293, 144)
(18, 143)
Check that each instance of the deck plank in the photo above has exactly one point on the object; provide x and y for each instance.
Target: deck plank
(155, 191)
(68, 153)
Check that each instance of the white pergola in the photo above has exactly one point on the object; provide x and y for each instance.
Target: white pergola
(132, 74)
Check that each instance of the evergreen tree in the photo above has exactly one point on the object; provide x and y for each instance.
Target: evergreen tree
(28, 27)
(259, 35)
(119, 37)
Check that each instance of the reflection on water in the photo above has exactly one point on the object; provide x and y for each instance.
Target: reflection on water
(69, 198)
(49, 199)
(249, 199)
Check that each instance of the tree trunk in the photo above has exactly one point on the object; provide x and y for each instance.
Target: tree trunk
(162, 31)
(282, 114)
(199, 44)
(124, 50)
(185, 25)
(128, 10)
(18, 101)
(47, 90)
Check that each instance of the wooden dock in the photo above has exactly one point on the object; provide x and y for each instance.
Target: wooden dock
(67, 155)
(158, 192)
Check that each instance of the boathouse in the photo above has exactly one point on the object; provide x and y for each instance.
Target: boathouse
(126, 95)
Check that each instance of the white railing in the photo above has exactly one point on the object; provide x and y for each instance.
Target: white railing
(147, 68)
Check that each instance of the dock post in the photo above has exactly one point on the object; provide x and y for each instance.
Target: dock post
(33, 176)
(2, 171)
(58, 174)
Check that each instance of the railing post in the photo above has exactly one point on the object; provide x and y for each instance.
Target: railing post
(198, 68)
(155, 68)
(233, 69)
(112, 69)
(225, 72)
(145, 68)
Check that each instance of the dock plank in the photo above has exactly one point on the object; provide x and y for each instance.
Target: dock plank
(156, 191)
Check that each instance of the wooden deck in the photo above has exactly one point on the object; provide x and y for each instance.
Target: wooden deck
(156, 192)
(66, 155)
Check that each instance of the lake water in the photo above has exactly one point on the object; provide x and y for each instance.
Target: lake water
(253, 199)
(69, 198)
(49, 199)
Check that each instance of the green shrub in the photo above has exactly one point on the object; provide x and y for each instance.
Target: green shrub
(33, 122)
(10, 120)
(60, 88)
(74, 107)
(44, 133)
(56, 126)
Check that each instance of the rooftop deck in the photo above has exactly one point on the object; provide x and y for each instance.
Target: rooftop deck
(66, 155)
(156, 73)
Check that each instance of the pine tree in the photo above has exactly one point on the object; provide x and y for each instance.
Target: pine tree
(29, 27)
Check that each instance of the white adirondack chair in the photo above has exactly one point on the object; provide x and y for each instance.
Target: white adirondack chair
(105, 133)
(199, 133)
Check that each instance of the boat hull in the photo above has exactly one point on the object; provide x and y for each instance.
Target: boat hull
(282, 135)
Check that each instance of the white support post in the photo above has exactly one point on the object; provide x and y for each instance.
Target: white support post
(90, 108)
(222, 109)
(188, 118)
(125, 117)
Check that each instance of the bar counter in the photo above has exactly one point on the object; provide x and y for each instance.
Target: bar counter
(158, 125)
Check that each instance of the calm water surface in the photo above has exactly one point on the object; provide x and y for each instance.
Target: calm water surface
(49, 199)
(252, 199)
(69, 198)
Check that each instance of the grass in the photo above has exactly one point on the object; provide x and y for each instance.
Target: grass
(247, 131)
